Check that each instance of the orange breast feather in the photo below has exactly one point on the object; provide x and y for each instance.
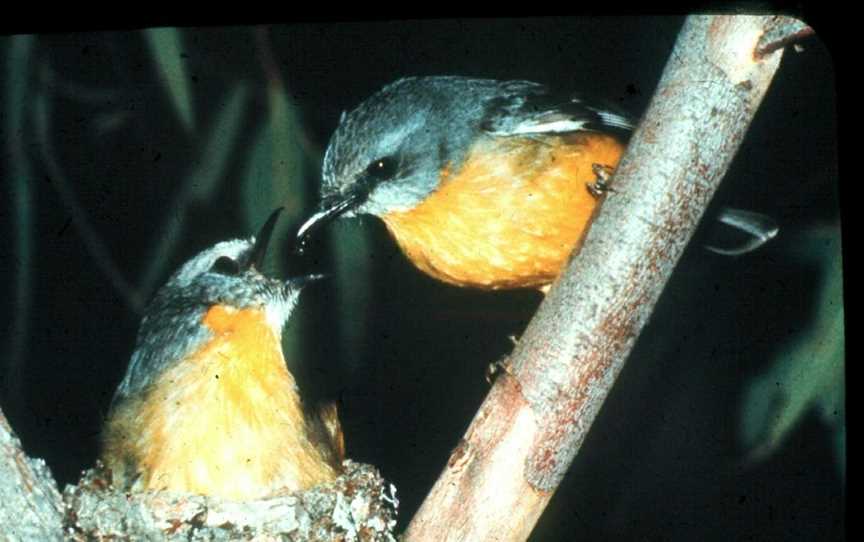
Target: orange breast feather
(511, 215)
(226, 421)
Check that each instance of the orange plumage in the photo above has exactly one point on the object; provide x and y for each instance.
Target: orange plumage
(511, 215)
(227, 420)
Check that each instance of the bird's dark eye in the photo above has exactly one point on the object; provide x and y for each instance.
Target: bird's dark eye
(382, 168)
(225, 266)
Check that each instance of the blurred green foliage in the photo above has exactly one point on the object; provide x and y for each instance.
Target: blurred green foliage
(17, 75)
(84, 117)
(352, 267)
(278, 162)
(808, 371)
(277, 167)
(207, 172)
(166, 48)
(101, 255)
(274, 175)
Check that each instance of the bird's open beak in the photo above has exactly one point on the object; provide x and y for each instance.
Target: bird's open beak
(322, 217)
(259, 251)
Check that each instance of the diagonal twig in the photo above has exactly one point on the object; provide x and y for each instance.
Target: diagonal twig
(101, 255)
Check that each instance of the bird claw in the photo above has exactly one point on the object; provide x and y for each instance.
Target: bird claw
(494, 369)
(600, 187)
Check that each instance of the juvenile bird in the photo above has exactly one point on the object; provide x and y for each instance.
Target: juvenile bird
(207, 404)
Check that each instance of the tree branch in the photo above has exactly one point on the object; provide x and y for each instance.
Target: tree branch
(525, 435)
(30, 505)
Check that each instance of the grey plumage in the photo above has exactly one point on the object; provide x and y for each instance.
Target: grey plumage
(172, 325)
(417, 123)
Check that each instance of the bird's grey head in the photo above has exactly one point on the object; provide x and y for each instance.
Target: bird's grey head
(225, 275)
(387, 155)
(390, 150)
(229, 273)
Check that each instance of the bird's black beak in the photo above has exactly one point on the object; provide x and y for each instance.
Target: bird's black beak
(259, 251)
(327, 213)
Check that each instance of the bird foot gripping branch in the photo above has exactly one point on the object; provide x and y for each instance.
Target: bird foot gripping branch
(496, 368)
(482, 183)
(502, 365)
(603, 184)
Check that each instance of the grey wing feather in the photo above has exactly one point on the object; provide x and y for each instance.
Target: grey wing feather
(525, 108)
(760, 227)
(159, 344)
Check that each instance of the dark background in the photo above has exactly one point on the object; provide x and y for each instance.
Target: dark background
(663, 460)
